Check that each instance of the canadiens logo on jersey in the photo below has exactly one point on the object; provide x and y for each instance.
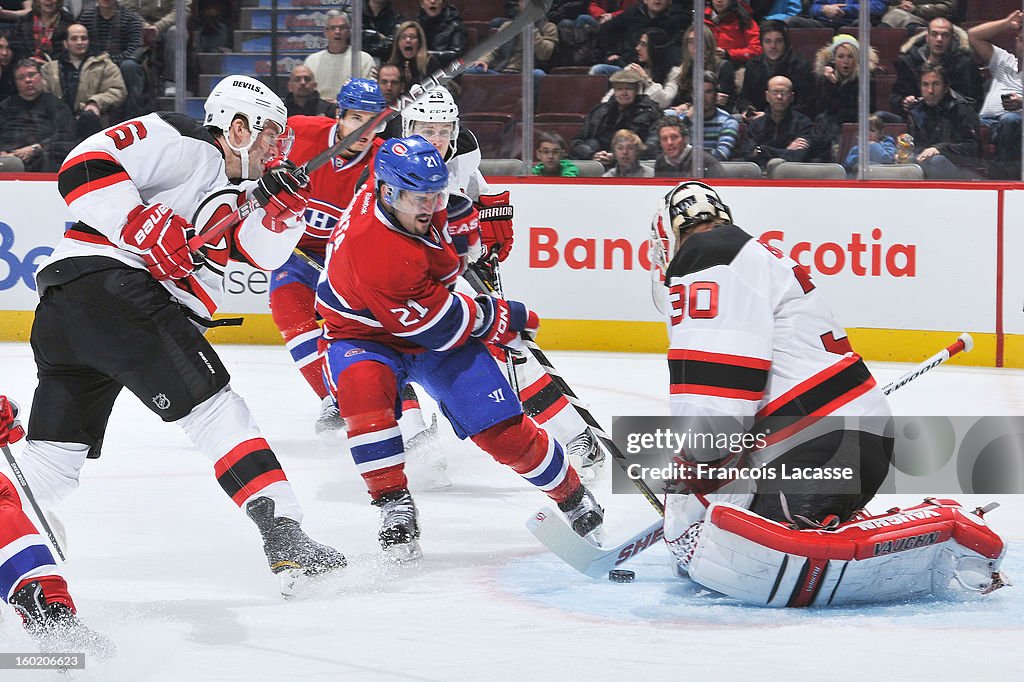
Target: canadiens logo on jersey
(321, 218)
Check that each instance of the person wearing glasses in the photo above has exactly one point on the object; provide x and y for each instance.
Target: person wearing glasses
(332, 67)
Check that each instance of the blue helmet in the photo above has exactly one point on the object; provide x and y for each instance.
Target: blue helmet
(411, 164)
(361, 94)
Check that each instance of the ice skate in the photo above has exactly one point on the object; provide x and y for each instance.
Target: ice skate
(425, 446)
(55, 626)
(585, 456)
(399, 527)
(329, 424)
(292, 555)
(584, 514)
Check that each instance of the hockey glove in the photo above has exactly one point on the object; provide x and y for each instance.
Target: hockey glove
(282, 192)
(11, 430)
(499, 322)
(161, 238)
(496, 224)
(463, 224)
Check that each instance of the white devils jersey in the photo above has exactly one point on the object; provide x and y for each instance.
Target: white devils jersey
(170, 159)
(464, 177)
(751, 337)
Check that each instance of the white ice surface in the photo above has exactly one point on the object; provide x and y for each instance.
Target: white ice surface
(173, 572)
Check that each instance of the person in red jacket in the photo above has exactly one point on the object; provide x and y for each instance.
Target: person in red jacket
(735, 30)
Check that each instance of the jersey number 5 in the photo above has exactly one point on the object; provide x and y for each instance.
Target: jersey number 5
(698, 300)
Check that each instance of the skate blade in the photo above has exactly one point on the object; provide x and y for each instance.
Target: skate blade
(596, 536)
(404, 553)
(439, 479)
(294, 582)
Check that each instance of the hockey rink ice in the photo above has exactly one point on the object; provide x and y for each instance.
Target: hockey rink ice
(161, 561)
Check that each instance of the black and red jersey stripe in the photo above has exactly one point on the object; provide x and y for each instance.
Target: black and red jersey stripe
(88, 172)
(542, 399)
(247, 469)
(717, 374)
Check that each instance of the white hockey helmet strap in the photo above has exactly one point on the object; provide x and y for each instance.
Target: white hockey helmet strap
(249, 98)
(438, 107)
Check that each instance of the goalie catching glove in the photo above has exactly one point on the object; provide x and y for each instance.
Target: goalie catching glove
(282, 192)
(161, 237)
(499, 322)
(496, 224)
(11, 430)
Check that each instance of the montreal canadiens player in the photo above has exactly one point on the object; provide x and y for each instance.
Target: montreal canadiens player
(124, 303)
(30, 580)
(752, 342)
(473, 208)
(392, 317)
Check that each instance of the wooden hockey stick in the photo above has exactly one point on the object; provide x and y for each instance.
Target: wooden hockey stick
(27, 492)
(533, 11)
(964, 343)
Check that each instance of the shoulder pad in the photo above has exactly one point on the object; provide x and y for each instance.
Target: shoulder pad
(707, 249)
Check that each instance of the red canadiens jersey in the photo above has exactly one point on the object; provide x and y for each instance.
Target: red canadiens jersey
(333, 185)
(750, 336)
(383, 284)
(171, 159)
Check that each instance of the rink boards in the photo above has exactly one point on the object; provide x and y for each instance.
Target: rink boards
(906, 267)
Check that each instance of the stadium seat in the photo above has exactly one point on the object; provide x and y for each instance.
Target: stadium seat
(798, 170)
(884, 83)
(509, 167)
(488, 92)
(558, 117)
(570, 94)
(589, 168)
(11, 164)
(988, 10)
(481, 10)
(570, 71)
(903, 171)
(807, 41)
(740, 169)
(490, 135)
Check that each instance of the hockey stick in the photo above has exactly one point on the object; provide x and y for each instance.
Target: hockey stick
(27, 492)
(963, 343)
(532, 11)
(555, 534)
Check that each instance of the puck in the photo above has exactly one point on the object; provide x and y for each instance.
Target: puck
(621, 576)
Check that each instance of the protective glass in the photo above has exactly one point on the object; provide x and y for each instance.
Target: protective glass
(407, 201)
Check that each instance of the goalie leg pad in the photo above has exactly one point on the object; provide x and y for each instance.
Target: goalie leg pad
(897, 555)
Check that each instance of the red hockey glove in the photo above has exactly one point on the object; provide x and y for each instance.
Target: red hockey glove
(282, 192)
(11, 430)
(161, 238)
(496, 224)
(502, 320)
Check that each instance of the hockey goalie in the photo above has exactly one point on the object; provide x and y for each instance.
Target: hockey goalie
(753, 346)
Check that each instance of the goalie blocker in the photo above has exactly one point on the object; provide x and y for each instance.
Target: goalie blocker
(900, 554)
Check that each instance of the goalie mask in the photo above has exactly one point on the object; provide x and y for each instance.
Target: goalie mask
(689, 204)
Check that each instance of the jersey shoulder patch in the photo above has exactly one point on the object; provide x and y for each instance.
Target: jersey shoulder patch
(707, 249)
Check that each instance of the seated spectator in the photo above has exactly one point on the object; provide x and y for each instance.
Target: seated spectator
(380, 23)
(881, 147)
(626, 109)
(916, 14)
(159, 31)
(212, 27)
(7, 61)
(675, 160)
(945, 129)
(617, 37)
(13, 11)
(775, 10)
(782, 133)
(735, 30)
(837, 15)
(681, 77)
(626, 149)
(443, 27)
(836, 69)
(653, 66)
(303, 99)
(332, 66)
(409, 54)
(721, 130)
(35, 126)
(938, 45)
(577, 32)
(777, 59)
(35, 34)
(118, 32)
(392, 86)
(1001, 111)
(551, 151)
(509, 57)
(90, 85)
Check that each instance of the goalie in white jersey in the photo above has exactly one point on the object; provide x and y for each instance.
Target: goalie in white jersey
(755, 349)
(124, 301)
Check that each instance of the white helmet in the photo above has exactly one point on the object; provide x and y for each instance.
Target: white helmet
(437, 107)
(247, 97)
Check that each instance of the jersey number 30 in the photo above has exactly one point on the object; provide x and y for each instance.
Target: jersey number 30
(699, 301)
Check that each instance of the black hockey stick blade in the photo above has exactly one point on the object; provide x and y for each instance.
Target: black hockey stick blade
(27, 492)
(533, 11)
